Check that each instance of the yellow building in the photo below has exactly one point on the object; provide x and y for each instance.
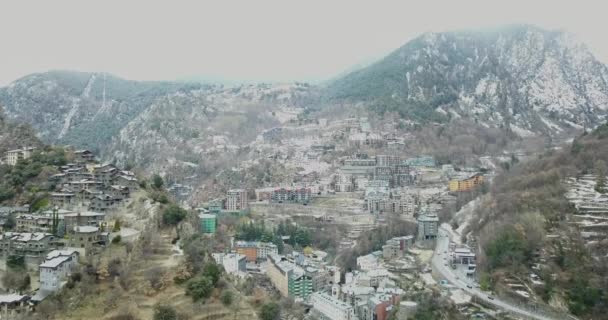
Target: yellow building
(466, 184)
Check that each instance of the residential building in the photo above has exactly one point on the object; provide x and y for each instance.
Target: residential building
(26, 244)
(300, 284)
(256, 251)
(14, 156)
(330, 308)
(85, 237)
(368, 262)
(208, 223)
(467, 183)
(397, 247)
(249, 249)
(233, 263)
(62, 199)
(84, 156)
(278, 269)
(428, 227)
(236, 200)
(264, 249)
(103, 203)
(291, 280)
(296, 195)
(86, 218)
(55, 269)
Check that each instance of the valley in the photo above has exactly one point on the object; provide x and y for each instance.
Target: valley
(461, 176)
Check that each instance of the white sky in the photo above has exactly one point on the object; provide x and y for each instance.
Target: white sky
(252, 40)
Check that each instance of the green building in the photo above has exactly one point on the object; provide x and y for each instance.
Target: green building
(208, 223)
(300, 284)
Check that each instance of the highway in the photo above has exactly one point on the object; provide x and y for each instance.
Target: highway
(446, 272)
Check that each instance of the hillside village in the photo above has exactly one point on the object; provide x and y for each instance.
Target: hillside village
(463, 176)
(77, 222)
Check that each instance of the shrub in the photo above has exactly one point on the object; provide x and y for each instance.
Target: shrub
(173, 214)
(270, 311)
(164, 312)
(227, 298)
(199, 288)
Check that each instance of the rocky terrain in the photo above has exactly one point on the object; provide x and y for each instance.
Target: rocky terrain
(500, 86)
(521, 78)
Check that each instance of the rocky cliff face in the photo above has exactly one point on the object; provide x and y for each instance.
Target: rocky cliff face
(189, 133)
(521, 78)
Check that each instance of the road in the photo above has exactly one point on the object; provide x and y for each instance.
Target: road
(447, 273)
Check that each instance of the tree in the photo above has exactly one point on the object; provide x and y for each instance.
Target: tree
(270, 311)
(213, 272)
(199, 288)
(164, 312)
(174, 214)
(15, 262)
(157, 181)
(116, 226)
(600, 170)
(10, 223)
(16, 280)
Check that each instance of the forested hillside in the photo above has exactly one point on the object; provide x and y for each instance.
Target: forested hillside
(526, 224)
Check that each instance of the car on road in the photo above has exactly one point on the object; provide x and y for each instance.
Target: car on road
(491, 297)
(469, 286)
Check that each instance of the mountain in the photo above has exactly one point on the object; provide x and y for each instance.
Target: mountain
(521, 78)
(196, 131)
(80, 108)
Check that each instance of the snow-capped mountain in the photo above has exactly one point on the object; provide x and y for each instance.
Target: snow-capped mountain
(520, 78)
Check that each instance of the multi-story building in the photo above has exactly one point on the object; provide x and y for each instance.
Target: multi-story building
(331, 308)
(26, 244)
(278, 270)
(86, 218)
(291, 280)
(208, 222)
(387, 160)
(428, 227)
(85, 237)
(297, 195)
(256, 251)
(233, 263)
(14, 156)
(55, 269)
(236, 200)
(264, 249)
(300, 284)
(397, 247)
(466, 184)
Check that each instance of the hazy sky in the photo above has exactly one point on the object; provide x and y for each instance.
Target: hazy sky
(252, 40)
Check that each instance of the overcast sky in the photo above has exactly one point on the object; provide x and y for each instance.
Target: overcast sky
(252, 40)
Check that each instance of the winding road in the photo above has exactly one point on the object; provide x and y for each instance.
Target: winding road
(439, 267)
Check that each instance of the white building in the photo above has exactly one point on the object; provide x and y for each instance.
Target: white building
(236, 200)
(428, 227)
(56, 268)
(368, 262)
(13, 156)
(264, 249)
(329, 307)
(233, 263)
